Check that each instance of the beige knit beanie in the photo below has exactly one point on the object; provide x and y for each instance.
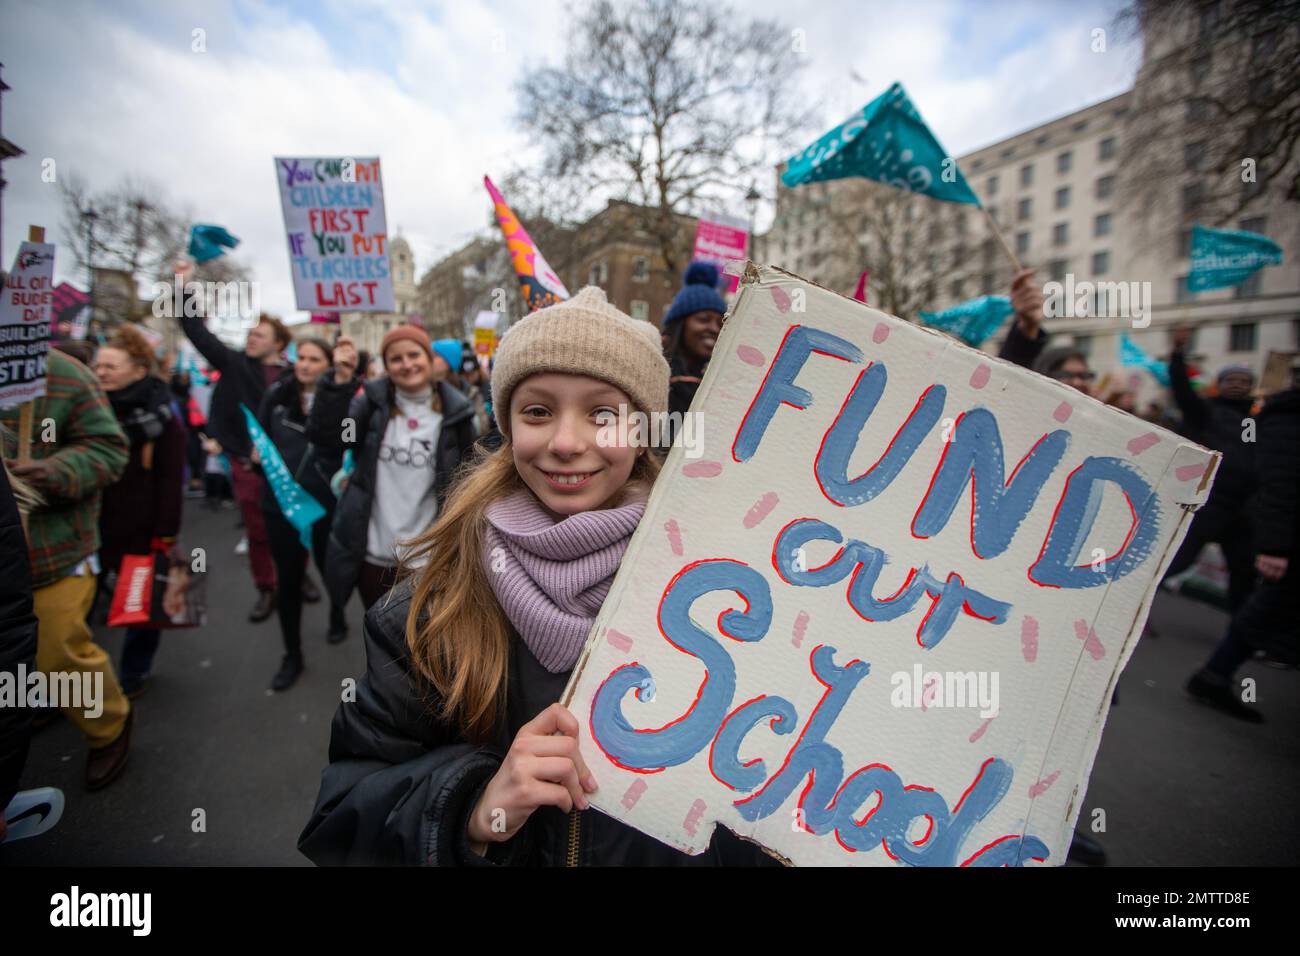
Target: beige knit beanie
(584, 335)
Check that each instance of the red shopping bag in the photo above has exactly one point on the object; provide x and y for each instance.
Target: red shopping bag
(157, 591)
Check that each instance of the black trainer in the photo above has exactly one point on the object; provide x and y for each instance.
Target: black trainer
(1221, 697)
(290, 670)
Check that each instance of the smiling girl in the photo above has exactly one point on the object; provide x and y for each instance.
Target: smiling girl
(455, 750)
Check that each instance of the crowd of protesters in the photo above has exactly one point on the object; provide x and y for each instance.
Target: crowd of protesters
(428, 467)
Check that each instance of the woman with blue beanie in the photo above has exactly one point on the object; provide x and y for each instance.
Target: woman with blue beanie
(691, 328)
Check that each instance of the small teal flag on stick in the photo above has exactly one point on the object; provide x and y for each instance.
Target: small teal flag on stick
(972, 321)
(888, 142)
(299, 508)
(1131, 355)
(1228, 257)
(208, 242)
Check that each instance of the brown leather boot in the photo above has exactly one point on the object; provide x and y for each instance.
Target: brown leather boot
(264, 607)
(105, 763)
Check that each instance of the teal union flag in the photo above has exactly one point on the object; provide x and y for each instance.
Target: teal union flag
(886, 141)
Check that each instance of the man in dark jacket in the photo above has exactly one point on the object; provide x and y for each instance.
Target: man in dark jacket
(400, 785)
(245, 377)
(1270, 618)
(1220, 423)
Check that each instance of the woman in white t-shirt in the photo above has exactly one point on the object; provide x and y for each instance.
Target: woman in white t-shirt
(408, 432)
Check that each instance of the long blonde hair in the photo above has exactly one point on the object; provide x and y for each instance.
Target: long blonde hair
(457, 634)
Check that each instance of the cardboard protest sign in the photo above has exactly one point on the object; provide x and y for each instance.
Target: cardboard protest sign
(337, 233)
(25, 323)
(880, 619)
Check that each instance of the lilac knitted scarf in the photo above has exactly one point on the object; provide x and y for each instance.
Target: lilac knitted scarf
(551, 578)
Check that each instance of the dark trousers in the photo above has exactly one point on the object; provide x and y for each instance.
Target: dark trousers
(374, 582)
(248, 490)
(290, 559)
(1269, 621)
(1229, 528)
(138, 650)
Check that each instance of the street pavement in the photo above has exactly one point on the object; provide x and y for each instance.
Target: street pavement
(1180, 783)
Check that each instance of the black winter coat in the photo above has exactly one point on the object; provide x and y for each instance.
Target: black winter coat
(243, 379)
(1217, 423)
(370, 413)
(17, 639)
(282, 418)
(401, 785)
(1277, 504)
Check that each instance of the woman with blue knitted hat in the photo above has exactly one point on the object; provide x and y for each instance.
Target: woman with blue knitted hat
(691, 329)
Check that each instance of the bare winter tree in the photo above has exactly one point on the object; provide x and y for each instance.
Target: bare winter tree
(132, 227)
(674, 105)
(867, 225)
(1216, 111)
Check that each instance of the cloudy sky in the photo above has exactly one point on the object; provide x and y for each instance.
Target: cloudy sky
(108, 89)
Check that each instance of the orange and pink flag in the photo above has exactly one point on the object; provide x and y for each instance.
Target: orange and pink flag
(538, 283)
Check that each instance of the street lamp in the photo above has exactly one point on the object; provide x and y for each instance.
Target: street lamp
(751, 200)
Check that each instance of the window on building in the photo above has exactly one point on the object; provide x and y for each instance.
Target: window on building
(1185, 243)
(1022, 243)
(989, 250)
(641, 269)
(1060, 233)
(1260, 89)
(640, 309)
(1105, 187)
(1101, 225)
(959, 222)
(1008, 152)
(1209, 16)
(817, 236)
(1084, 344)
(1241, 337)
(1024, 209)
(1193, 193)
(1257, 224)
(956, 289)
(1063, 161)
(1063, 198)
(1106, 148)
(1200, 69)
(931, 263)
(977, 165)
(593, 277)
(991, 187)
(1194, 156)
(1249, 288)
(958, 254)
(1181, 292)
(1198, 109)
(1058, 268)
(1041, 139)
(1263, 44)
(1027, 175)
(1100, 263)
(986, 283)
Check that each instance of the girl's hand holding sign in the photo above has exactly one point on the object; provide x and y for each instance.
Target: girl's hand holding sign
(543, 768)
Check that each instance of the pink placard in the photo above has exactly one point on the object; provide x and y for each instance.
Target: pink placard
(718, 243)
